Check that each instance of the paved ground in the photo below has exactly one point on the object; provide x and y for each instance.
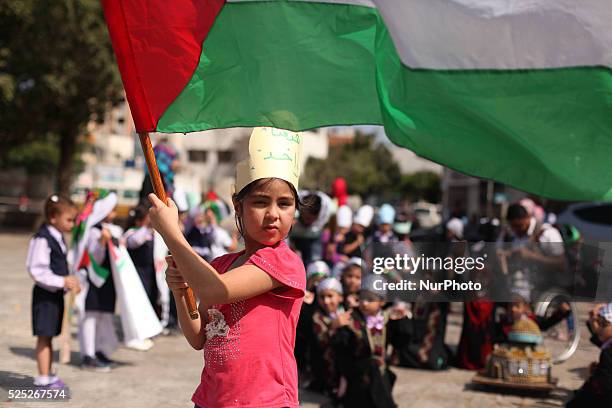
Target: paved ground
(167, 375)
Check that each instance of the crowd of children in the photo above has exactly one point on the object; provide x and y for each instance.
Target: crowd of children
(85, 268)
(348, 332)
(345, 325)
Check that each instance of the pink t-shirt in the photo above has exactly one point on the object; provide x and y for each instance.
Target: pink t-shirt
(248, 354)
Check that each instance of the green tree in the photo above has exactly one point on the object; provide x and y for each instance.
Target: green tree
(57, 73)
(422, 185)
(38, 156)
(368, 168)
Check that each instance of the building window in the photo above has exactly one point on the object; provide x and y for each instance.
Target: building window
(130, 194)
(197, 155)
(225, 156)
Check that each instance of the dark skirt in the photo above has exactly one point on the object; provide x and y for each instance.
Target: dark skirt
(368, 387)
(47, 311)
(101, 299)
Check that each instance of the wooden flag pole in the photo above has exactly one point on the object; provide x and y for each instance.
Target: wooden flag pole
(160, 192)
(65, 334)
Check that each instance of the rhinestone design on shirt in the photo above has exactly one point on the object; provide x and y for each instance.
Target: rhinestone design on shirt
(223, 333)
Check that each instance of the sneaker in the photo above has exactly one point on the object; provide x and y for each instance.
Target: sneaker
(57, 384)
(104, 359)
(49, 382)
(92, 363)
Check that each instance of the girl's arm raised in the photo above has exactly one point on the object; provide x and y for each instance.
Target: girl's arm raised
(212, 288)
(194, 330)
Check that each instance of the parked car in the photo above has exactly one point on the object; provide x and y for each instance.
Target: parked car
(593, 220)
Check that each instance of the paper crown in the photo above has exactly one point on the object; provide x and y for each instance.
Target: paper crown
(272, 153)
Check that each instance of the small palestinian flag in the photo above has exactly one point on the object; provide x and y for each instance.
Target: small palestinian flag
(94, 211)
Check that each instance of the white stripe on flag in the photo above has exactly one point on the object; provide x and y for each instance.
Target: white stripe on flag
(500, 34)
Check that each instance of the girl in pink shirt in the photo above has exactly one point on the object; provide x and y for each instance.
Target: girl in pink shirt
(250, 300)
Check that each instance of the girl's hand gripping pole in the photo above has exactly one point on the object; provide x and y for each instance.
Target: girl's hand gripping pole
(160, 192)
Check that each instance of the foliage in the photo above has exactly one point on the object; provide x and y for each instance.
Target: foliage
(38, 156)
(57, 72)
(422, 185)
(366, 166)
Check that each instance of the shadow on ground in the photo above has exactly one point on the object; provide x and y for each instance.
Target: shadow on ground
(555, 398)
(13, 380)
(75, 356)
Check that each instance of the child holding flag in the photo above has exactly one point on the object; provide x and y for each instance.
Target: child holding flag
(250, 300)
(109, 278)
(96, 330)
(48, 266)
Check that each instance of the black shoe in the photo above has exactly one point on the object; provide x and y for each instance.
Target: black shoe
(102, 358)
(92, 363)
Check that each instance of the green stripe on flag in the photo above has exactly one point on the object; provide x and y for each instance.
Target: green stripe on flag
(99, 270)
(304, 65)
(250, 73)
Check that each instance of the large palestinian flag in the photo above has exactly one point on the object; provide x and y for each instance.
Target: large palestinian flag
(516, 91)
